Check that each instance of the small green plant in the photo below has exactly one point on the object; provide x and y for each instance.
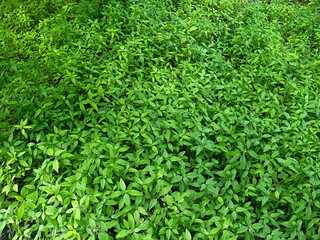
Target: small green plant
(146, 119)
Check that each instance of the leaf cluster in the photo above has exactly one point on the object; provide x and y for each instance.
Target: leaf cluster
(145, 119)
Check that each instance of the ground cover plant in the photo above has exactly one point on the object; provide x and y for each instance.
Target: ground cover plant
(146, 119)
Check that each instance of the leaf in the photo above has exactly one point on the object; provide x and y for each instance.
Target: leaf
(126, 199)
(37, 113)
(24, 163)
(142, 211)
(243, 162)
(15, 187)
(21, 154)
(59, 198)
(92, 223)
(214, 191)
(21, 211)
(266, 148)
(253, 154)
(2, 226)
(176, 178)
(111, 202)
(56, 165)
(25, 122)
(257, 226)
(69, 234)
(152, 203)
(66, 155)
(122, 185)
(58, 152)
(193, 28)
(19, 198)
(165, 190)
(188, 235)
(77, 213)
(220, 200)
(48, 190)
(123, 233)
(106, 225)
(301, 235)
(50, 152)
(241, 209)
(264, 200)
(6, 189)
(242, 229)
(123, 149)
(155, 149)
(103, 236)
(134, 193)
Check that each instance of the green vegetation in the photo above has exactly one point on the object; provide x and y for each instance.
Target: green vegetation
(147, 119)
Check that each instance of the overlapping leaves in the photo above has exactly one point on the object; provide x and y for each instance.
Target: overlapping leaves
(159, 120)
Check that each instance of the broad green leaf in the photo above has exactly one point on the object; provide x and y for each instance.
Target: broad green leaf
(253, 154)
(24, 163)
(122, 185)
(193, 28)
(122, 233)
(188, 235)
(241, 209)
(242, 229)
(69, 234)
(142, 211)
(106, 225)
(135, 193)
(21, 211)
(165, 190)
(56, 165)
(50, 152)
(103, 236)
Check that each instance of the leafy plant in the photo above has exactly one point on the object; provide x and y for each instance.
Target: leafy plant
(159, 120)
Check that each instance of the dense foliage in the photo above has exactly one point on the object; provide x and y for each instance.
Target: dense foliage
(147, 119)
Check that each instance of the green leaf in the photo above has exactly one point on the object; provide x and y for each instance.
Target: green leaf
(165, 190)
(134, 193)
(253, 154)
(106, 225)
(122, 185)
(6, 189)
(193, 28)
(220, 200)
(103, 236)
(152, 203)
(92, 223)
(21, 211)
(155, 149)
(15, 187)
(241, 209)
(66, 155)
(142, 211)
(24, 163)
(123, 233)
(2, 226)
(19, 198)
(56, 165)
(257, 226)
(21, 154)
(176, 178)
(58, 152)
(111, 202)
(77, 213)
(50, 152)
(126, 199)
(242, 229)
(188, 235)
(69, 234)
